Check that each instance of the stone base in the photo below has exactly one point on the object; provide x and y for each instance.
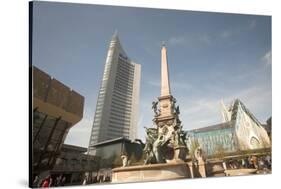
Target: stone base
(238, 172)
(153, 172)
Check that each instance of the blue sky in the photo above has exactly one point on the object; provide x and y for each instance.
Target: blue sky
(211, 56)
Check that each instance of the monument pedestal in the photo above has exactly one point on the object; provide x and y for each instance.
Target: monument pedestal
(200, 170)
(151, 172)
(238, 172)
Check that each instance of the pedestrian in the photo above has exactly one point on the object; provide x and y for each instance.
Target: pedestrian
(57, 181)
(36, 181)
(243, 163)
(46, 182)
(51, 182)
(246, 163)
(63, 181)
(85, 181)
(224, 165)
(254, 159)
(268, 161)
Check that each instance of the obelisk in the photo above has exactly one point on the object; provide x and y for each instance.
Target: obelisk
(167, 121)
(165, 99)
(165, 82)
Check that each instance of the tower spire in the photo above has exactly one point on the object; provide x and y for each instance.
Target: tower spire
(115, 35)
(165, 82)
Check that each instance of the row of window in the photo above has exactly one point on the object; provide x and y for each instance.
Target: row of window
(121, 113)
(124, 116)
(119, 123)
(123, 90)
(121, 103)
(122, 94)
(129, 72)
(126, 64)
(124, 69)
(117, 118)
(126, 77)
(124, 100)
(124, 82)
(122, 132)
(119, 129)
(119, 109)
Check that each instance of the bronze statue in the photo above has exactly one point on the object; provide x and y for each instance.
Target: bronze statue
(151, 135)
(154, 107)
(177, 110)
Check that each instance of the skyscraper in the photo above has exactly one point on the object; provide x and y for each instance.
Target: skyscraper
(118, 99)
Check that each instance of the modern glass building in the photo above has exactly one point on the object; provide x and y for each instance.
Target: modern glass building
(116, 112)
(240, 131)
(214, 138)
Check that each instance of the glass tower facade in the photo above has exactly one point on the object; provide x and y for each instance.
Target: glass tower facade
(117, 105)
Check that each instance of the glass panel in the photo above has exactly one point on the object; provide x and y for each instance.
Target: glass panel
(38, 118)
(46, 131)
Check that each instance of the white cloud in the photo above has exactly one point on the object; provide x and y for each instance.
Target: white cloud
(205, 111)
(80, 133)
(154, 83)
(226, 34)
(179, 40)
(267, 58)
(204, 38)
(180, 85)
(189, 39)
(230, 32)
(198, 111)
(252, 24)
(173, 84)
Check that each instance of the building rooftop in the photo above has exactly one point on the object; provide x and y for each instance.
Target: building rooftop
(234, 108)
(52, 97)
(111, 141)
(69, 147)
(224, 125)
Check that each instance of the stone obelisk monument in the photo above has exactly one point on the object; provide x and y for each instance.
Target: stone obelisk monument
(165, 82)
(166, 118)
(165, 148)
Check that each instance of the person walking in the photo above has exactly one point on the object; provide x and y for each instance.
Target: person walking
(46, 182)
(85, 181)
(36, 181)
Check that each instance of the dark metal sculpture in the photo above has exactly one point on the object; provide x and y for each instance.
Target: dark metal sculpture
(154, 107)
(167, 141)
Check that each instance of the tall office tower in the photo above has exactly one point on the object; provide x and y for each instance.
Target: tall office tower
(118, 100)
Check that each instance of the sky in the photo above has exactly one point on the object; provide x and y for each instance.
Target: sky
(211, 57)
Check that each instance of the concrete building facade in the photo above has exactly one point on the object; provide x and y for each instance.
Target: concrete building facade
(116, 112)
(56, 108)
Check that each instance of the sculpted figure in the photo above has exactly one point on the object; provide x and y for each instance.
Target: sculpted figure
(124, 160)
(150, 157)
(158, 147)
(151, 136)
(154, 107)
(198, 153)
(174, 101)
(177, 110)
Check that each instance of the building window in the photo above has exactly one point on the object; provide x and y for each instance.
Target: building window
(254, 142)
